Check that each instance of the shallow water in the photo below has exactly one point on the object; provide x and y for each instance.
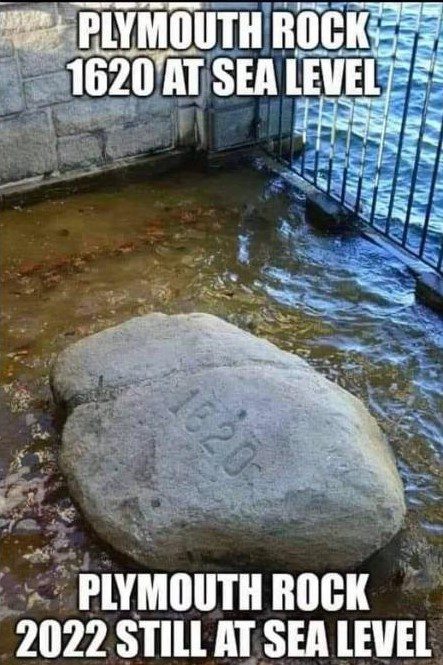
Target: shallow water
(233, 243)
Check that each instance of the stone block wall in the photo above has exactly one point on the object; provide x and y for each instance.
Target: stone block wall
(236, 121)
(44, 132)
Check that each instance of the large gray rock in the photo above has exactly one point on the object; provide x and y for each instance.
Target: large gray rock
(192, 444)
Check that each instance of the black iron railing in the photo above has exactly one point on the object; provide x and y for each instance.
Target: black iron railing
(380, 157)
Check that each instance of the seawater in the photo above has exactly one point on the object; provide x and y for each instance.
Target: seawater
(354, 115)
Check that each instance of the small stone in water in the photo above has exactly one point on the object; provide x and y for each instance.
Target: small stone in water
(26, 525)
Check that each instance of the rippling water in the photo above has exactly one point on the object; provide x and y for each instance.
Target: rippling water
(355, 116)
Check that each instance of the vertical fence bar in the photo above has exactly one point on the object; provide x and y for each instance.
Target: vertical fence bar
(269, 98)
(291, 140)
(318, 139)
(331, 155)
(304, 135)
(404, 120)
(347, 151)
(388, 93)
(431, 194)
(424, 114)
(332, 146)
(280, 109)
(319, 126)
(378, 28)
(305, 130)
(440, 258)
(349, 135)
(293, 105)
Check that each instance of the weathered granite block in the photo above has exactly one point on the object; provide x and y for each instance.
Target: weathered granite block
(46, 51)
(155, 105)
(68, 10)
(34, 131)
(6, 48)
(80, 151)
(21, 17)
(87, 115)
(47, 90)
(140, 138)
(226, 103)
(11, 97)
(234, 126)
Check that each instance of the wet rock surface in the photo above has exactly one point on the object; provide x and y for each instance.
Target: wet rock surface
(193, 444)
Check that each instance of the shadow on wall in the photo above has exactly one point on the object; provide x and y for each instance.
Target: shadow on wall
(43, 130)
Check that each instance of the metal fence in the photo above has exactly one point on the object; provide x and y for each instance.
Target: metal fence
(380, 157)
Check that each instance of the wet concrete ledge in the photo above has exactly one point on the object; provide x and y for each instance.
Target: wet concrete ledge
(132, 169)
(429, 289)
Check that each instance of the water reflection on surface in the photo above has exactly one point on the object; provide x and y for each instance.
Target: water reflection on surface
(234, 244)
